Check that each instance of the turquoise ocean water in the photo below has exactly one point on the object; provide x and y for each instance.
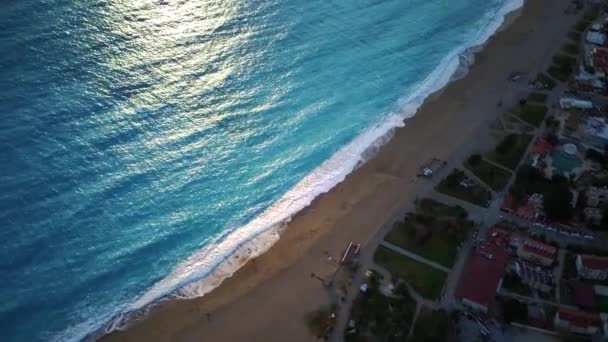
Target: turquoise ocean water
(144, 145)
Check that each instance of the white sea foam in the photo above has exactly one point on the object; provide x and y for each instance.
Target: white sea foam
(207, 268)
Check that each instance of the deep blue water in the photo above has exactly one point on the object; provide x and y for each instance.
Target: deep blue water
(134, 135)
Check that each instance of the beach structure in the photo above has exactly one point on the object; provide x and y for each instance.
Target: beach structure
(432, 167)
(573, 102)
(350, 254)
(483, 274)
(592, 267)
(578, 322)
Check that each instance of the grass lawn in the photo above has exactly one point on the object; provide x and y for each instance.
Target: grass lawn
(432, 326)
(510, 150)
(532, 112)
(581, 26)
(545, 80)
(451, 186)
(537, 97)
(602, 302)
(427, 281)
(439, 248)
(429, 206)
(558, 73)
(495, 177)
(562, 67)
(571, 49)
(381, 316)
(575, 36)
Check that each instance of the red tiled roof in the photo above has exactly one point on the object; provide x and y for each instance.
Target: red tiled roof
(580, 318)
(526, 212)
(540, 248)
(584, 295)
(483, 272)
(542, 146)
(498, 236)
(600, 58)
(509, 203)
(594, 262)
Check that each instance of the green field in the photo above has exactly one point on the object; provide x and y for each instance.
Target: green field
(380, 316)
(438, 248)
(451, 186)
(510, 150)
(426, 280)
(602, 302)
(537, 97)
(495, 177)
(571, 49)
(534, 114)
(432, 326)
(545, 80)
(562, 66)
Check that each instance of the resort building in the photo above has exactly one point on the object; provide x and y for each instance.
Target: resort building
(573, 102)
(534, 276)
(592, 267)
(583, 294)
(482, 277)
(595, 131)
(534, 251)
(578, 322)
(597, 196)
(593, 215)
(596, 38)
(599, 59)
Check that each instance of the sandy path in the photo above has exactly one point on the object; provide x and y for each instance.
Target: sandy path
(268, 299)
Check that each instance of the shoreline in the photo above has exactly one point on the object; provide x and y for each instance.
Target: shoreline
(454, 66)
(371, 189)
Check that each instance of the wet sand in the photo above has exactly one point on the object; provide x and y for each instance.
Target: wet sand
(268, 299)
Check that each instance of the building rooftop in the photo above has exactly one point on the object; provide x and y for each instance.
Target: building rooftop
(583, 293)
(482, 275)
(539, 248)
(542, 146)
(580, 318)
(594, 262)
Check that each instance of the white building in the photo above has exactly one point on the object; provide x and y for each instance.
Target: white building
(572, 102)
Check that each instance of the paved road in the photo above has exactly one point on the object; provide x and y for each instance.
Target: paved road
(414, 256)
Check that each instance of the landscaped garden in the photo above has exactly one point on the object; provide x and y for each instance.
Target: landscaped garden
(458, 185)
(385, 318)
(563, 65)
(426, 280)
(510, 150)
(495, 177)
(433, 326)
(545, 81)
(433, 232)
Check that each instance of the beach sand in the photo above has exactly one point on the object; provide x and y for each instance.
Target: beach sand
(269, 298)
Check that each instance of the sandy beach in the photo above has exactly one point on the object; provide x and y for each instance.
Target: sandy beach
(268, 299)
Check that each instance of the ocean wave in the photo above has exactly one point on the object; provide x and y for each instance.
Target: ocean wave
(208, 268)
